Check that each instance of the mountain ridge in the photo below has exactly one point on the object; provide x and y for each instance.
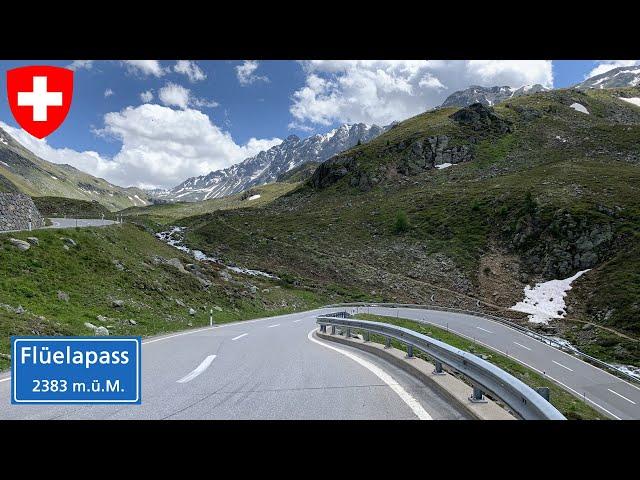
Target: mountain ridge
(268, 165)
(488, 96)
(23, 171)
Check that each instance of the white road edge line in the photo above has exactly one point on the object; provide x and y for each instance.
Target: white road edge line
(240, 336)
(411, 402)
(484, 329)
(563, 366)
(272, 326)
(199, 369)
(520, 345)
(299, 320)
(621, 396)
(5, 379)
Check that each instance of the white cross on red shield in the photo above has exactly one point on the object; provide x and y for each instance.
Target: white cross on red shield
(40, 97)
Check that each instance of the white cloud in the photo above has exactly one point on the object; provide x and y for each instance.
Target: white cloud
(174, 95)
(144, 67)
(81, 64)
(160, 147)
(108, 92)
(190, 69)
(202, 102)
(610, 65)
(380, 92)
(300, 126)
(147, 96)
(246, 73)
(87, 161)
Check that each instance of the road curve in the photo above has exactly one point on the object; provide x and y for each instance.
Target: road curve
(267, 368)
(611, 395)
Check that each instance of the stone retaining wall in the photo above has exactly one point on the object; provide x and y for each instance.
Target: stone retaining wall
(16, 210)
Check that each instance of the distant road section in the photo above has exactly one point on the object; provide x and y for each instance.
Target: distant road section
(81, 222)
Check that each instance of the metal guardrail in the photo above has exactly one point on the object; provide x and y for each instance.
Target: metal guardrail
(541, 338)
(484, 376)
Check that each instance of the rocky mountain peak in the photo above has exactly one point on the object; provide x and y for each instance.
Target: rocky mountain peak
(615, 78)
(268, 165)
(489, 96)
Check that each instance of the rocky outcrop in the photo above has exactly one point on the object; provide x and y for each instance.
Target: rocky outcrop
(413, 158)
(427, 153)
(332, 170)
(482, 119)
(564, 246)
(16, 211)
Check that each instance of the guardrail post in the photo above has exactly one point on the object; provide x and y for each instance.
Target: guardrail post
(347, 333)
(333, 329)
(323, 328)
(367, 336)
(438, 370)
(477, 396)
(409, 351)
(387, 343)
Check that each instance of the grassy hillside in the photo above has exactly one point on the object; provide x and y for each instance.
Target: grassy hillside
(36, 177)
(169, 212)
(299, 174)
(70, 207)
(542, 192)
(62, 288)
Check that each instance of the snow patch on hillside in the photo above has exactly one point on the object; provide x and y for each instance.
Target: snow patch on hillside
(578, 107)
(633, 100)
(443, 165)
(545, 301)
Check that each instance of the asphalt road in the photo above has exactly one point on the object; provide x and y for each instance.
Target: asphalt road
(81, 222)
(260, 369)
(609, 394)
(270, 369)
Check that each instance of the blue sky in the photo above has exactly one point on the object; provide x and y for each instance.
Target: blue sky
(204, 115)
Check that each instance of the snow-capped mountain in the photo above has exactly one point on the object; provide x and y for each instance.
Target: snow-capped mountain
(488, 95)
(615, 78)
(267, 165)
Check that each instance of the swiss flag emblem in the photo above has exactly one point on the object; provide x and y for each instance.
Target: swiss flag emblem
(40, 97)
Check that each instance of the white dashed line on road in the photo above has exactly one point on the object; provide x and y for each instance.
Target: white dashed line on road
(240, 336)
(276, 325)
(621, 396)
(563, 366)
(520, 345)
(199, 369)
(484, 329)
